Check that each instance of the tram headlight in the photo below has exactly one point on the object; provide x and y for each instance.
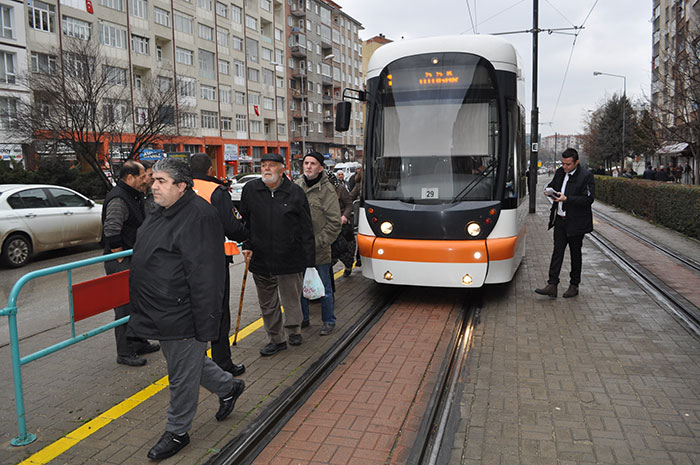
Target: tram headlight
(386, 227)
(473, 229)
(466, 280)
(388, 276)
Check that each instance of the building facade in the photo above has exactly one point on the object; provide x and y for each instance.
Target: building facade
(324, 58)
(223, 57)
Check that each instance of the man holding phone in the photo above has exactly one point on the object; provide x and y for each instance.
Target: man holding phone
(572, 191)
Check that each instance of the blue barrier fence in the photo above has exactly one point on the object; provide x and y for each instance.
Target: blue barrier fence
(24, 438)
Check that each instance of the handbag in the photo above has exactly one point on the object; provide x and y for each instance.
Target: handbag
(313, 286)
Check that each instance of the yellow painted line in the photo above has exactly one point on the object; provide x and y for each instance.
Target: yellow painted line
(55, 449)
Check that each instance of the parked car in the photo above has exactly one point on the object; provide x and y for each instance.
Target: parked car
(36, 218)
(237, 187)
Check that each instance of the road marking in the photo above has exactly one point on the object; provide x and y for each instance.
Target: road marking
(55, 449)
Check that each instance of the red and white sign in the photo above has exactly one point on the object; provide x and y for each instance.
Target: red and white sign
(88, 6)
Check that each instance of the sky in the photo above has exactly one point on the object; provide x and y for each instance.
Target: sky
(616, 39)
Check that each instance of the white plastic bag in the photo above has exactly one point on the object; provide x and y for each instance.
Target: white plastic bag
(313, 286)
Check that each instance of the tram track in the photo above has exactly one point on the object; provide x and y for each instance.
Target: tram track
(245, 447)
(683, 310)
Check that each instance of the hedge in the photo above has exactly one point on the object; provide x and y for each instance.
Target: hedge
(57, 172)
(675, 206)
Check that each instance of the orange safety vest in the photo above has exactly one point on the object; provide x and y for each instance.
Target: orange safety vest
(205, 189)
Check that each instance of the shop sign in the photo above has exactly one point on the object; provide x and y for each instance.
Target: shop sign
(150, 154)
(11, 152)
(230, 152)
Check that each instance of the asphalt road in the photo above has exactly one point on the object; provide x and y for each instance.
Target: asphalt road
(43, 302)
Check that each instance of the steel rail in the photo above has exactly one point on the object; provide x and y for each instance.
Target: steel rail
(245, 447)
(690, 263)
(429, 439)
(666, 297)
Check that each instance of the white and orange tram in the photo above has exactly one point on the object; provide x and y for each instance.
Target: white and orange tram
(444, 185)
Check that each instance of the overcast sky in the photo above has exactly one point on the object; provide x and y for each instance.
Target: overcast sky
(616, 39)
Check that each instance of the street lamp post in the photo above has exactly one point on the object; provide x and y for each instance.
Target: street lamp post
(624, 107)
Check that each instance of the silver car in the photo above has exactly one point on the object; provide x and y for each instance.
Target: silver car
(237, 187)
(36, 218)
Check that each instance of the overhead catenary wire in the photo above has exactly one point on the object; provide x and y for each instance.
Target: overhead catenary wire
(494, 15)
(471, 19)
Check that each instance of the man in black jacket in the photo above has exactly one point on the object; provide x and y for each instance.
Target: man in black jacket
(572, 191)
(122, 214)
(215, 192)
(176, 287)
(276, 214)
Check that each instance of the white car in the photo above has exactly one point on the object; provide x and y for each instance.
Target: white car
(36, 218)
(237, 187)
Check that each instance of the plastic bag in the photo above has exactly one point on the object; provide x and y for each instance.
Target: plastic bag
(313, 286)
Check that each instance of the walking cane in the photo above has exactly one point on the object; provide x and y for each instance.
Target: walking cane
(240, 304)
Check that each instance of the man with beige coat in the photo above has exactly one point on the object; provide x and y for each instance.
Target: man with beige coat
(325, 215)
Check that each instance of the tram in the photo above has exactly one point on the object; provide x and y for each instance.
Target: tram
(444, 193)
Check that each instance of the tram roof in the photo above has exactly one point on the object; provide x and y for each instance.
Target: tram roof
(497, 50)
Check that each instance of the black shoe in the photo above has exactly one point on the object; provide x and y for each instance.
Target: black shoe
(305, 323)
(572, 291)
(168, 445)
(272, 349)
(358, 262)
(148, 348)
(326, 329)
(132, 360)
(295, 339)
(347, 272)
(236, 370)
(227, 403)
(549, 290)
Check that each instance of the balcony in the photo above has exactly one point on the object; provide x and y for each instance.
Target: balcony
(299, 93)
(326, 42)
(298, 51)
(327, 80)
(298, 72)
(327, 98)
(298, 11)
(328, 119)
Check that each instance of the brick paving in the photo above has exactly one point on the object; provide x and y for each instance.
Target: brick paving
(369, 410)
(605, 378)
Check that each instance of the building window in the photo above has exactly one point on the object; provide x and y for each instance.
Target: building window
(140, 115)
(266, 5)
(184, 56)
(278, 34)
(112, 36)
(280, 103)
(161, 16)
(42, 16)
(138, 8)
(238, 72)
(221, 10)
(186, 86)
(138, 82)
(139, 44)
(251, 49)
(281, 129)
(6, 29)
(164, 83)
(222, 37)
(268, 77)
(253, 98)
(73, 27)
(8, 113)
(226, 123)
(251, 22)
(255, 127)
(183, 23)
(205, 32)
(240, 98)
(207, 92)
(241, 123)
(237, 43)
(253, 74)
(210, 119)
(115, 111)
(206, 64)
(7, 68)
(43, 63)
(225, 94)
(224, 67)
(188, 120)
(205, 4)
(114, 4)
(236, 14)
(268, 103)
(114, 75)
(266, 54)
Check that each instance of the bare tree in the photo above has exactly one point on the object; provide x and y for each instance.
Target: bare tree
(82, 100)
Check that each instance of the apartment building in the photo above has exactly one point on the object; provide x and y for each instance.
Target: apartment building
(224, 57)
(369, 46)
(13, 64)
(557, 143)
(324, 57)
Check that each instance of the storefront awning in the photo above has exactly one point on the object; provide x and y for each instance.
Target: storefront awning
(673, 149)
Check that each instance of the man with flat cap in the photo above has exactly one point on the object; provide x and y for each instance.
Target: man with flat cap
(280, 248)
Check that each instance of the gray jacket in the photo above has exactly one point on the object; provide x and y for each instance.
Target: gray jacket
(325, 216)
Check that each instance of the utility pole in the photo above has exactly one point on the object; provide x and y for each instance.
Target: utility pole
(534, 123)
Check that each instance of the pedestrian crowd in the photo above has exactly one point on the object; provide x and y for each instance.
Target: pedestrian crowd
(678, 173)
(180, 222)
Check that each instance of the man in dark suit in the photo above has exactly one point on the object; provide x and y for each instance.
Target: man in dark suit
(572, 191)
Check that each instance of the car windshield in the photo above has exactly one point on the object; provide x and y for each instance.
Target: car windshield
(436, 130)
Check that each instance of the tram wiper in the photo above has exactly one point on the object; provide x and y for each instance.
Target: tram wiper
(475, 182)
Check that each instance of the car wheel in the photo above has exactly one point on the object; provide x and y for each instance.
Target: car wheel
(16, 251)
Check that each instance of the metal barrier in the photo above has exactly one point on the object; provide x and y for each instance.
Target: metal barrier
(23, 437)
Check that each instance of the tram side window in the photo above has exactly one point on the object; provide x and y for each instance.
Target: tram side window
(511, 188)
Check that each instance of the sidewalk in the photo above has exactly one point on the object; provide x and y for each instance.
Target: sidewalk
(607, 377)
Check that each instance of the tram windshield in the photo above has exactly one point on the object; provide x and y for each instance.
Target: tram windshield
(436, 127)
